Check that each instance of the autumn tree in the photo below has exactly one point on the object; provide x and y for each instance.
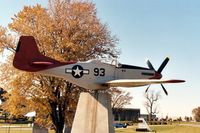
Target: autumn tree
(196, 114)
(120, 98)
(151, 99)
(2, 93)
(6, 40)
(66, 31)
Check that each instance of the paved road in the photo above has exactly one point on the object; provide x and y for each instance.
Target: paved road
(18, 129)
(14, 127)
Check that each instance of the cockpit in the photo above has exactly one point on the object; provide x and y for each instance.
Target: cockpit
(94, 61)
(119, 65)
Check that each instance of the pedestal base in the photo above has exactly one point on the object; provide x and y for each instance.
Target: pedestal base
(93, 114)
(38, 129)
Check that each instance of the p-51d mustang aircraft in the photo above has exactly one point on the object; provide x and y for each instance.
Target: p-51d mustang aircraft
(91, 74)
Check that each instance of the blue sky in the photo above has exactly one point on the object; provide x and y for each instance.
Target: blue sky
(156, 29)
(150, 29)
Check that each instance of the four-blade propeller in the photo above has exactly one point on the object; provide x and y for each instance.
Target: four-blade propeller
(160, 69)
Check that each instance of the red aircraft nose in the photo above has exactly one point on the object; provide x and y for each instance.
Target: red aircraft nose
(157, 76)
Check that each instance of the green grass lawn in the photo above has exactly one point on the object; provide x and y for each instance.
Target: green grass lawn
(164, 129)
(175, 128)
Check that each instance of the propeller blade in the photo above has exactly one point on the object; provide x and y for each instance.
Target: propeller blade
(150, 65)
(162, 66)
(164, 89)
(147, 89)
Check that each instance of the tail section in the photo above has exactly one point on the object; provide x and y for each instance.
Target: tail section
(28, 57)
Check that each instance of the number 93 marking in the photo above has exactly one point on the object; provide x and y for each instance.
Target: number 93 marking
(99, 72)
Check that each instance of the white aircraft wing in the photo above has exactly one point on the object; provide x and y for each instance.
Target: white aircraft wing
(139, 82)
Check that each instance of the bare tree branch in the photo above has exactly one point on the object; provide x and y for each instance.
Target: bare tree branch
(150, 103)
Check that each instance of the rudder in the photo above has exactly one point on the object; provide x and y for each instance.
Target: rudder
(28, 57)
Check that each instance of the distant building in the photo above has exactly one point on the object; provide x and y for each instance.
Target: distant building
(146, 117)
(126, 114)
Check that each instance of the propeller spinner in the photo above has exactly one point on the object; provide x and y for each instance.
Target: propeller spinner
(158, 72)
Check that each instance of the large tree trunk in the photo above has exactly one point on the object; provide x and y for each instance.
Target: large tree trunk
(57, 116)
(58, 106)
(59, 130)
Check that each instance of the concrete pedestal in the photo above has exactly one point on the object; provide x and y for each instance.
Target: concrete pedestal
(93, 114)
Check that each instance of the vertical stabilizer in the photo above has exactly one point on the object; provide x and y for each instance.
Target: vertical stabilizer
(28, 57)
